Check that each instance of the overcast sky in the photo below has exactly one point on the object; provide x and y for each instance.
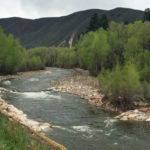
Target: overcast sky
(51, 8)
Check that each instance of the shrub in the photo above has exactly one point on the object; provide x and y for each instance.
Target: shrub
(11, 54)
(35, 63)
(121, 85)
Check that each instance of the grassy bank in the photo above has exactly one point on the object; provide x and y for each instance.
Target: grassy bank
(14, 137)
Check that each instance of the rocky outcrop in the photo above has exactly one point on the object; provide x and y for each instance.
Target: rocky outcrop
(142, 114)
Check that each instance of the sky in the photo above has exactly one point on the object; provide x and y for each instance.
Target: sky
(52, 8)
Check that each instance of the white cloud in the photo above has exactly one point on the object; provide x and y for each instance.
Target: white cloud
(50, 8)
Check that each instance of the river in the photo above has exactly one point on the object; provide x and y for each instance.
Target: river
(77, 125)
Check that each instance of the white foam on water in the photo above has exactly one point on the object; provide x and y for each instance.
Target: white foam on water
(59, 127)
(108, 134)
(85, 130)
(35, 94)
(39, 95)
(109, 122)
(112, 130)
(33, 79)
(115, 143)
(82, 129)
(125, 137)
(7, 82)
(64, 128)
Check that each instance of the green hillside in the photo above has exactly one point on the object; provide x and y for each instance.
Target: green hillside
(59, 30)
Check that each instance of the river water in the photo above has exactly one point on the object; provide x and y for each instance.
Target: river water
(77, 125)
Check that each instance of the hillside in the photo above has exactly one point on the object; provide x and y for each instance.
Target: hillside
(60, 30)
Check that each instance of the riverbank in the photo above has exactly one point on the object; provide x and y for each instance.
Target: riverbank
(84, 86)
(15, 137)
(17, 116)
(87, 87)
(141, 114)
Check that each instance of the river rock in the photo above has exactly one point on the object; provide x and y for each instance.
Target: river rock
(135, 115)
(148, 119)
(132, 115)
(135, 111)
(124, 118)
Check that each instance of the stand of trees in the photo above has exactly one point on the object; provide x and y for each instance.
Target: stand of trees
(11, 54)
(97, 22)
(120, 56)
(14, 58)
(146, 15)
(54, 56)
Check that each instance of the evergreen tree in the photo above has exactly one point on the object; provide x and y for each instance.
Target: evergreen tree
(94, 23)
(147, 14)
(97, 22)
(103, 21)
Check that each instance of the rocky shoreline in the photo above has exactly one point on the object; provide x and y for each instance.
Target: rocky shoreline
(84, 86)
(87, 88)
(20, 117)
(142, 114)
(16, 114)
(32, 126)
(13, 112)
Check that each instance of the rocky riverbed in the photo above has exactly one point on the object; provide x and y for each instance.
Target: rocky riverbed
(84, 86)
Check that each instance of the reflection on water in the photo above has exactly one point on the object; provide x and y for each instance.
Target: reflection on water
(77, 125)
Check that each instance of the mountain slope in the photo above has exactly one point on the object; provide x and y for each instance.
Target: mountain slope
(60, 30)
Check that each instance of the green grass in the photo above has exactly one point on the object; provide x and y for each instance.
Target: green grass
(15, 137)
